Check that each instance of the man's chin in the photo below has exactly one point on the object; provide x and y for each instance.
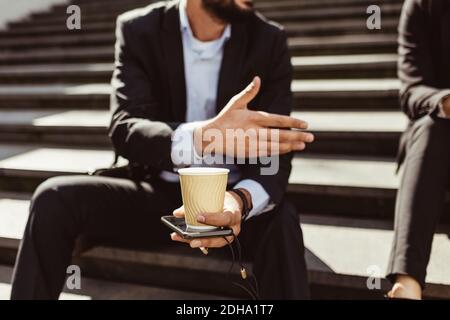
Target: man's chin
(229, 14)
(242, 16)
(249, 5)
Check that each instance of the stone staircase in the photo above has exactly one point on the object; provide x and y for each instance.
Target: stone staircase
(54, 113)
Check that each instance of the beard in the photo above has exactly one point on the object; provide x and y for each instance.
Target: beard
(227, 10)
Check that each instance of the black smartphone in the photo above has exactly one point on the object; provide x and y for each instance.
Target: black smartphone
(179, 226)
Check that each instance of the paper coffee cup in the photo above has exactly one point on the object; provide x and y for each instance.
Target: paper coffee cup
(203, 191)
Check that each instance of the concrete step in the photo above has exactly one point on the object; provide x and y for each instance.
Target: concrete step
(26, 160)
(348, 251)
(367, 133)
(343, 44)
(55, 96)
(24, 31)
(319, 2)
(87, 44)
(24, 166)
(326, 14)
(56, 127)
(313, 67)
(341, 255)
(348, 26)
(329, 184)
(68, 40)
(359, 133)
(94, 289)
(56, 73)
(337, 185)
(328, 4)
(58, 55)
(262, 6)
(298, 28)
(334, 94)
(354, 186)
(341, 175)
(119, 7)
(360, 94)
(258, 2)
(345, 66)
(323, 14)
(381, 40)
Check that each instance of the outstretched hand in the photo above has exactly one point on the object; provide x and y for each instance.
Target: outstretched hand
(236, 117)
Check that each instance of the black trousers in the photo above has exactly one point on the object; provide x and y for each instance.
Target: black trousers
(122, 212)
(421, 197)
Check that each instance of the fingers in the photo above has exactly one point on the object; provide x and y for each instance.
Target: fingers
(210, 242)
(248, 94)
(268, 149)
(267, 142)
(283, 148)
(206, 243)
(271, 120)
(275, 148)
(179, 213)
(223, 219)
(227, 218)
(175, 237)
(290, 136)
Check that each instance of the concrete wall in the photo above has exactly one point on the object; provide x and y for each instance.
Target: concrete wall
(11, 10)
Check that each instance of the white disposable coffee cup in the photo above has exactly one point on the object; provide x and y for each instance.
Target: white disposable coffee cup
(203, 191)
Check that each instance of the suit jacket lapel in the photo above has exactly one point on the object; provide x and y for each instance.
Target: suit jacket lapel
(173, 54)
(233, 58)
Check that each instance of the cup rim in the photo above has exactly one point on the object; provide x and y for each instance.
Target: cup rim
(202, 171)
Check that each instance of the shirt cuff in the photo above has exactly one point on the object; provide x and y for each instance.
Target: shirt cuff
(183, 152)
(260, 198)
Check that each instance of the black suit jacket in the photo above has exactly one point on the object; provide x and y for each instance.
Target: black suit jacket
(149, 94)
(424, 59)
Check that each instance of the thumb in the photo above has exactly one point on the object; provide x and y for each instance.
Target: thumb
(249, 93)
(179, 213)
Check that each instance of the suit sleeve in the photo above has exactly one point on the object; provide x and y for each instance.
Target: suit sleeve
(133, 133)
(276, 97)
(419, 92)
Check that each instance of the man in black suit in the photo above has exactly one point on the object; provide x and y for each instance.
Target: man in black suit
(424, 70)
(179, 69)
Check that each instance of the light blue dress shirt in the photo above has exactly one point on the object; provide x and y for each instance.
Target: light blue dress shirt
(202, 62)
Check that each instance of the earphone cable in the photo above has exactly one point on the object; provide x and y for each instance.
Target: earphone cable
(253, 291)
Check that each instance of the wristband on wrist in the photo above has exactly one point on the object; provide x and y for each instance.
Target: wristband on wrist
(246, 207)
